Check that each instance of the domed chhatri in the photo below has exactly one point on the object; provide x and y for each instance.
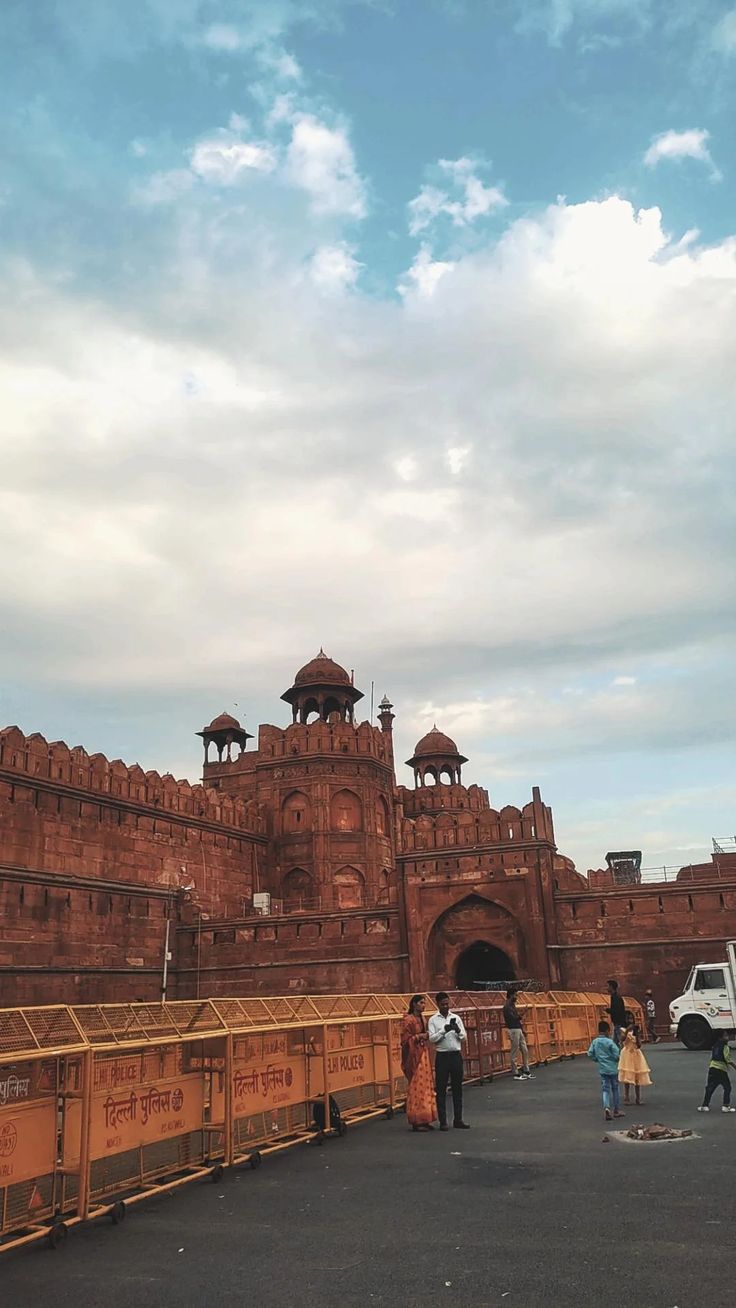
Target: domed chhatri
(322, 689)
(322, 671)
(223, 722)
(223, 732)
(436, 758)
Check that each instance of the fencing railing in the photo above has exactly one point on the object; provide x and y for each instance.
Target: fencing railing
(103, 1105)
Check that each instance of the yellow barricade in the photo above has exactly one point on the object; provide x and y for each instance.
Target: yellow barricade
(102, 1105)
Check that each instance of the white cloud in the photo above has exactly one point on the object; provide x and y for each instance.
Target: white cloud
(691, 144)
(457, 457)
(320, 161)
(724, 33)
(280, 63)
(406, 467)
(624, 681)
(225, 158)
(425, 273)
(334, 268)
(224, 37)
(467, 199)
(309, 443)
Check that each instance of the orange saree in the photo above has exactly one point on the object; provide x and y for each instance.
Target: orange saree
(415, 1064)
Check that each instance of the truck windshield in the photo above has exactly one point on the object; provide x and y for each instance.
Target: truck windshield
(689, 981)
(709, 978)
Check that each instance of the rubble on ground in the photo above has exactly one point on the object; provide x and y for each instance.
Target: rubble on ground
(657, 1132)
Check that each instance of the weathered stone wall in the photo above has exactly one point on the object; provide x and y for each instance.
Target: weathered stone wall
(645, 936)
(106, 850)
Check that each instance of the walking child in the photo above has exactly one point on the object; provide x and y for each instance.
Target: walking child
(605, 1052)
(718, 1068)
(633, 1068)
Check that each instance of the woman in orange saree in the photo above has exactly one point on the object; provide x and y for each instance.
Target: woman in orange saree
(420, 1099)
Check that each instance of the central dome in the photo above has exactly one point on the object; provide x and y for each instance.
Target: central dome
(322, 671)
(324, 690)
(435, 742)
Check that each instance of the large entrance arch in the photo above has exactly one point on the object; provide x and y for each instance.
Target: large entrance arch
(475, 939)
(481, 962)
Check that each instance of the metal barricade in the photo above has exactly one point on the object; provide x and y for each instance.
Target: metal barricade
(102, 1105)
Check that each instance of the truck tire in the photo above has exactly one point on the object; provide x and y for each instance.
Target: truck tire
(695, 1033)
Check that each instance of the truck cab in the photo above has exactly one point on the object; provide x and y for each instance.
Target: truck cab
(708, 1003)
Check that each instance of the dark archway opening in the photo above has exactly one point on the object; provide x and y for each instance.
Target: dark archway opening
(482, 962)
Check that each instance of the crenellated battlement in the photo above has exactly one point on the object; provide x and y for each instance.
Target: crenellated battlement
(443, 798)
(470, 827)
(54, 761)
(324, 738)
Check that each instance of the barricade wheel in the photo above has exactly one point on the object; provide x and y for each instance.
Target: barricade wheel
(117, 1213)
(389, 1113)
(57, 1234)
(342, 1129)
(255, 1160)
(217, 1172)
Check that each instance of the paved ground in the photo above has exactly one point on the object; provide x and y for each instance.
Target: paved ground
(530, 1207)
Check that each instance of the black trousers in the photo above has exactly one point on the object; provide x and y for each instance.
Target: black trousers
(716, 1078)
(449, 1066)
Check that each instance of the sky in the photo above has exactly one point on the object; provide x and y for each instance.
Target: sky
(402, 329)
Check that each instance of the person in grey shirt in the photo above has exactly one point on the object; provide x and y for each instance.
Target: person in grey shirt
(447, 1034)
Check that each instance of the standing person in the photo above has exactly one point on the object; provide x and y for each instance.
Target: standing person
(605, 1053)
(617, 1009)
(633, 1068)
(512, 1018)
(718, 1069)
(651, 1016)
(447, 1033)
(415, 1065)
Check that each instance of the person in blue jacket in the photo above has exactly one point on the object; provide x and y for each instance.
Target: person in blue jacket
(605, 1052)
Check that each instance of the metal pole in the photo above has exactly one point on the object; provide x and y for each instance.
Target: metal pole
(390, 1061)
(84, 1160)
(325, 1072)
(165, 970)
(228, 1153)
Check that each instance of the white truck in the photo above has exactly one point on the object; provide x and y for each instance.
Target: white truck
(707, 1004)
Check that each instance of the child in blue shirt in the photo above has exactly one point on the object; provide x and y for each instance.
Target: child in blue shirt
(605, 1053)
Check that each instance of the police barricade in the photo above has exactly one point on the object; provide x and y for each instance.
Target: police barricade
(102, 1105)
(43, 1071)
(542, 1026)
(486, 1050)
(577, 1021)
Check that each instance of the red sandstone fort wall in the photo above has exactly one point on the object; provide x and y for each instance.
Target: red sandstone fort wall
(644, 936)
(356, 951)
(104, 845)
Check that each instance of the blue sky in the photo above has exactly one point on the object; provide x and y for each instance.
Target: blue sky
(406, 329)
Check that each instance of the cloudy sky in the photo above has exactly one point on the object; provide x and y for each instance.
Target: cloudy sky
(405, 328)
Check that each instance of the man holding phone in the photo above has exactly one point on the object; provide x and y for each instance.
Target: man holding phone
(447, 1033)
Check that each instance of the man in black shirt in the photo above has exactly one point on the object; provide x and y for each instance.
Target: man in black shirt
(617, 1009)
(517, 1039)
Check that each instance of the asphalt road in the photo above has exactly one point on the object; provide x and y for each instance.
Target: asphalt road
(529, 1207)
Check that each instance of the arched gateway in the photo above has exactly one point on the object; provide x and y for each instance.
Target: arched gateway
(474, 940)
(482, 962)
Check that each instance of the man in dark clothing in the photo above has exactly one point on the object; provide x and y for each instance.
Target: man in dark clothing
(617, 1009)
(718, 1069)
(651, 1015)
(517, 1039)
